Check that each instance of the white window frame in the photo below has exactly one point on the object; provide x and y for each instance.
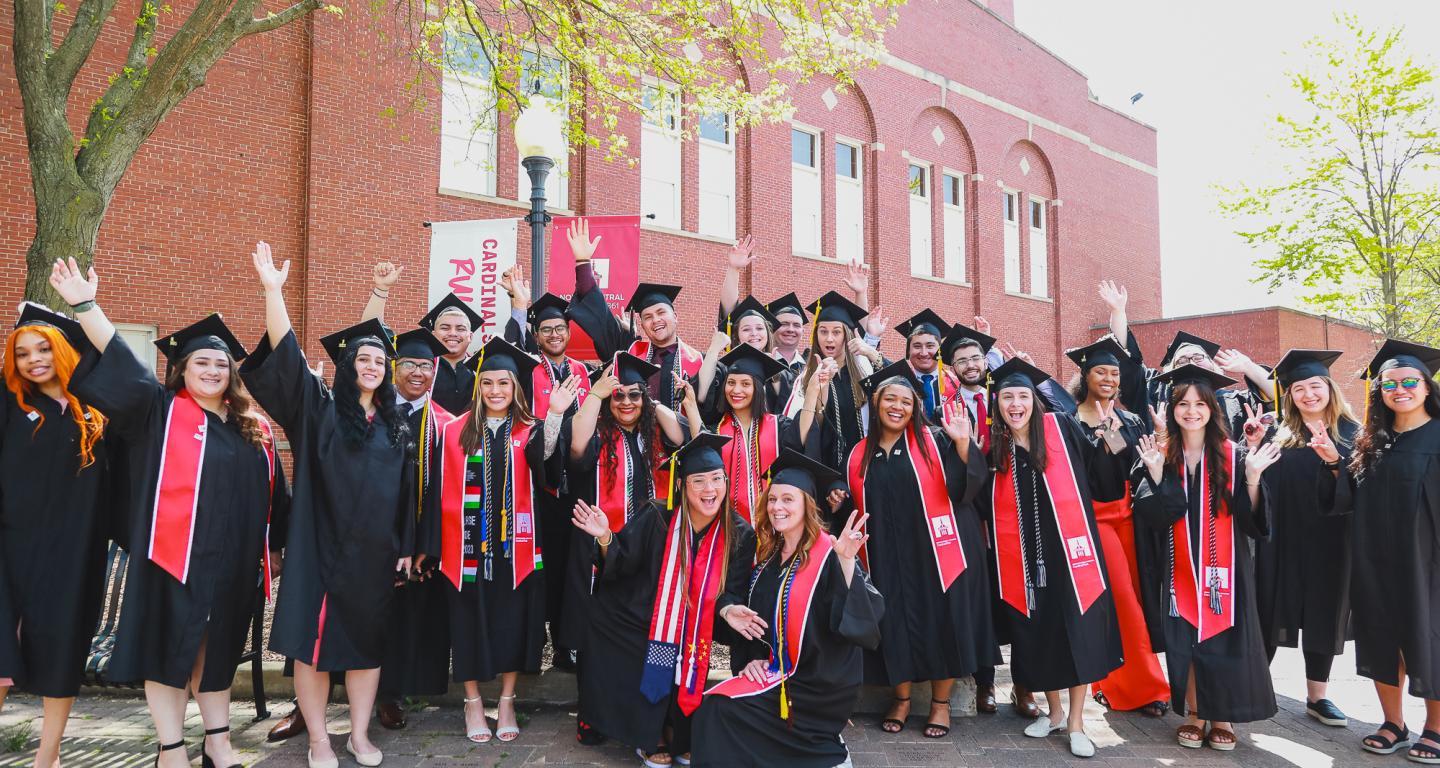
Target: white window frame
(806, 179)
(472, 95)
(716, 183)
(850, 224)
(921, 203)
(140, 338)
(1011, 238)
(670, 136)
(1039, 272)
(952, 226)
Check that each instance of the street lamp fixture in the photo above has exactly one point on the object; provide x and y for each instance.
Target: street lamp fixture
(539, 139)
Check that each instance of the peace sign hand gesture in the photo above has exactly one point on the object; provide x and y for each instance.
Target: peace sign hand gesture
(852, 537)
(1321, 443)
(1256, 423)
(271, 278)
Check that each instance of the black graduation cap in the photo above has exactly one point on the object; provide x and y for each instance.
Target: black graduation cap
(787, 303)
(451, 301)
(1301, 364)
(960, 333)
(497, 354)
(650, 294)
(1016, 372)
(1103, 351)
(924, 321)
(629, 369)
(36, 314)
(547, 307)
(701, 454)
(1191, 372)
(900, 370)
(751, 306)
(372, 332)
(792, 467)
(209, 333)
(1403, 354)
(1181, 339)
(834, 308)
(419, 343)
(747, 359)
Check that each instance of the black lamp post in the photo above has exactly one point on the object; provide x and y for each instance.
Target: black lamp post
(539, 138)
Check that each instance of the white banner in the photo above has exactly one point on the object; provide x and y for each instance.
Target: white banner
(467, 258)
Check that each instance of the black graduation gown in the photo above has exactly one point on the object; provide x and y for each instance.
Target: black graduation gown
(926, 634)
(784, 383)
(823, 690)
(350, 519)
(557, 506)
(1302, 571)
(592, 314)
(1058, 647)
(494, 627)
(1395, 546)
(454, 386)
(840, 425)
(54, 521)
(1232, 672)
(162, 621)
(618, 629)
(417, 642)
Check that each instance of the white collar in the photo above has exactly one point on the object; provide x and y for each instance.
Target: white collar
(415, 404)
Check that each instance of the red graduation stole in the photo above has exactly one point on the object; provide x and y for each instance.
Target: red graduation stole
(795, 603)
(1184, 589)
(1081, 550)
(690, 360)
(611, 481)
(934, 498)
(544, 384)
(742, 465)
(682, 619)
(523, 554)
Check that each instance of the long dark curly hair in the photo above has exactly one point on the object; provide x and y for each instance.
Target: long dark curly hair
(1216, 434)
(648, 427)
(354, 427)
(1380, 425)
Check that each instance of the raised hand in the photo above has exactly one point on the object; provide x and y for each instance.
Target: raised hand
(606, 383)
(73, 287)
(1152, 455)
(515, 284)
(578, 235)
(835, 498)
(683, 391)
(1255, 426)
(743, 254)
(1157, 420)
(562, 396)
(1232, 361)
(590, 520)
(955, 420)
(386, 275)
(857, 276)
(876, 322)
(745, 621)
(982, 325)
(318, 369)
(852, 537)
(1260, 459)
(719, 340)
(271, 278)
(1114, 295)
(1321, 443)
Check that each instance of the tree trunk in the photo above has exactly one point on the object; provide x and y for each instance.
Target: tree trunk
(67, 220)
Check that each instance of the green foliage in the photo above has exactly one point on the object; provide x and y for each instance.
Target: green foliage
(1357, 221)
(17, 737)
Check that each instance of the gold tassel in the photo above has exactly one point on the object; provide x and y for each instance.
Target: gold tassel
(729, 331)
(942, 382)
(815, 326)
(476, 389)
(504, 523)
(784, 702)
(1367, 396)
(1275, 391)
(670, 487)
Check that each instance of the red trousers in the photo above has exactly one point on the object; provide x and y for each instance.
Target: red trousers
(1140, 680)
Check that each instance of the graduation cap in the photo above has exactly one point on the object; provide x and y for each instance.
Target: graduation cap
(547, 307)
(1181, 339)
(749, 306)
(37, 314)
(451, 303)
(701, 454)
(924, 321)
(1191, 373)
(899, 370)
(834, 308)
(419, 343)
(649, 294)
(497, 354)
(747, 359)
(1016, 372)
(792, 467)
(1103, 351)
(1301, 364)
(960, 334)
(787, 303)
(1403, 354)
(371, 332)
(629, 369)
(209, 333)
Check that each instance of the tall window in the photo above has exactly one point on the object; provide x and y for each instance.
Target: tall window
(920, 236)
(660, 155)
(849, 203)
(952, 217)
(1012, 241)
(717, 175)
(467, 118)
(805, 191)
(1039, 249)
(549, 71)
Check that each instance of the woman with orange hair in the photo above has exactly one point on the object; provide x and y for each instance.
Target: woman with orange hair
(53, 518)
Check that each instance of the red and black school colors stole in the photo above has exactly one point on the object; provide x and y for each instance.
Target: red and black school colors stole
(614, 483)
(682, 619)
(462, 493)
(545, 382)
(1217, 555)
(934, 497)
(746, 456)
(791, 617)
(177, 486)
(1018, 578)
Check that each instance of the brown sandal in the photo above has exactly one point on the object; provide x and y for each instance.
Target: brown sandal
(1190, 736)
(1225, 741)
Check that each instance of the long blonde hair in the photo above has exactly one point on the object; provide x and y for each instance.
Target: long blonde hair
(1296, 435)
(768, 542)
(63, 358)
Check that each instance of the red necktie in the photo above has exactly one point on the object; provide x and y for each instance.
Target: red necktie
(981, 428)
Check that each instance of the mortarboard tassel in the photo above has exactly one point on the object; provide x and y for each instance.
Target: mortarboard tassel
(1174, 606)
(1275, 391)
(478, 365)
(1367, 396)
(1215, 596)
(729, 331)
(670, 487)
(1040, 580)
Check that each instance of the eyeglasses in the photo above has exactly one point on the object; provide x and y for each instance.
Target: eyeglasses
(557, 330)
(627, 397)
(1389, 385)
(406, 366)
(969, 360)
(1194, 359)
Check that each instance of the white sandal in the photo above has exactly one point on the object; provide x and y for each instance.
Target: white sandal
(481, 735)
(512, 731)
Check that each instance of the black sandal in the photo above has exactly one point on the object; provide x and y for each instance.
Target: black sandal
(890, 724)
(205, 761)
(167, 747)
(1155, 709)
(1387, 746)
(943, 729)
(1424, 753)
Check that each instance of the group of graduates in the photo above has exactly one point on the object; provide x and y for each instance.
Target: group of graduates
(833, 517)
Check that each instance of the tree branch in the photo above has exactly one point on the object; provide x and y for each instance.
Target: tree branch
(277, 20)
(124, 85)
(74, 50)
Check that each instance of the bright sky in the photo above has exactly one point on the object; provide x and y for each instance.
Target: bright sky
(1213, 75)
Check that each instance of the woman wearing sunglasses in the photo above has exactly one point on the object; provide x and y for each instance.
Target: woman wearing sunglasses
(1391, 485)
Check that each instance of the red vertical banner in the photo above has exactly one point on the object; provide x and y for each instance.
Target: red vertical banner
(616, 263)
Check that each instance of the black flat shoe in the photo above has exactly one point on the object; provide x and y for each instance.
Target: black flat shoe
(1326, 712)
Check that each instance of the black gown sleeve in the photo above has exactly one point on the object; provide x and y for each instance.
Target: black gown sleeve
(279, 509)
(789, 433)
(122, 388)
(1134, 379)
(1253, 520)
(737, 570)
(593, 315)
(1157, 505)
(282, 383)
(629, 550)
(964, 480)
(856, 608)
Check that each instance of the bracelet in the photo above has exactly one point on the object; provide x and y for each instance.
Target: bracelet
(84, 306)
(609, 538)
(1332, 464)
(380, 295)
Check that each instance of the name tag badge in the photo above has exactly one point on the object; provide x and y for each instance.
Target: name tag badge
(33, 415)
(1219, 575)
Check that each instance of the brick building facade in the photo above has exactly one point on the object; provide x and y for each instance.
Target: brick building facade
(290, 141)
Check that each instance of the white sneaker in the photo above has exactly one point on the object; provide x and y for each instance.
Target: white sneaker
(1041, 727)
(1081, 745)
